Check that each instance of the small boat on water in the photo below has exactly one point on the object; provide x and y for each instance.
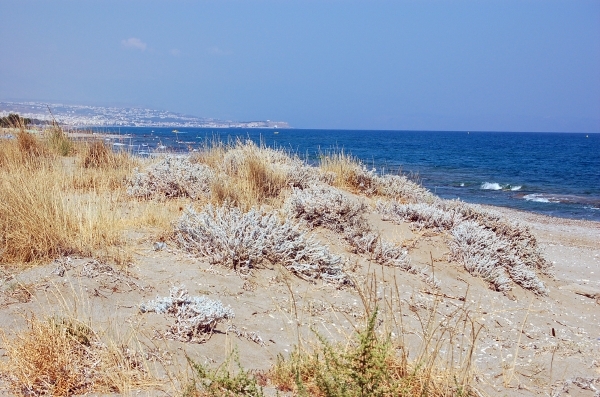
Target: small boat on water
(175, 131)
(276, 132)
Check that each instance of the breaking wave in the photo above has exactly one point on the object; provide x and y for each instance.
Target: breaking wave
(540, 198)
(588, 202)
(490, 186)
(497, 186)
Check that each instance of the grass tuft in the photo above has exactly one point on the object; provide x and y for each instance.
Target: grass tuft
(65, 357)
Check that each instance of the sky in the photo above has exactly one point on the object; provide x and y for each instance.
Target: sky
(403, 65)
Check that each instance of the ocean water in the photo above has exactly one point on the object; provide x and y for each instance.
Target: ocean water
(555, 174)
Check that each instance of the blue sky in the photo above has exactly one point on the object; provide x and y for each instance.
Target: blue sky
(424, 65)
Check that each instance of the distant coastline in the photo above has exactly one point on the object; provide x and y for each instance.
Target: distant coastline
(98, 116)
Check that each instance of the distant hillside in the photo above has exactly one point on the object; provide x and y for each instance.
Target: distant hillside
(97, 116)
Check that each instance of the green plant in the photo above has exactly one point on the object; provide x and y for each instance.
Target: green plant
(367, 368)
(221, 382)
(59, 142)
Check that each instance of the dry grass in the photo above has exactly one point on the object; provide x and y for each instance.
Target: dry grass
(251, 175)
(64, 357)
(58, 141)
(42, 214)
(349, 172)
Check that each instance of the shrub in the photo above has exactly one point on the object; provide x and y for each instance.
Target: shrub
(171, 177)
(487, 245)
(421, 214)
(367, 365)
(237, 239)
(195, 316)
(221, 382)
(328, 207)
(321, 205)
(485, 254)
(399, 187)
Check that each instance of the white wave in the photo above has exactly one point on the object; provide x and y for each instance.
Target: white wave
(515, 188)
(490, 186)
(541, 198)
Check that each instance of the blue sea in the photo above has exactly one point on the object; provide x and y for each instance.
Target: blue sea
(555, 174)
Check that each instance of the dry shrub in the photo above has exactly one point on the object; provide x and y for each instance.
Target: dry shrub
(336, 210)
(64, 357)
(171, 177)
(349, 172)
(195, 317)
(500, 251)
(247, 240)
(484, 253)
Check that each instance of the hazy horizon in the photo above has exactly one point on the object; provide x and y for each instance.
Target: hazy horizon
(382, 65)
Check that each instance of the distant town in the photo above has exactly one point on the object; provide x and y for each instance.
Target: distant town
(98, 116)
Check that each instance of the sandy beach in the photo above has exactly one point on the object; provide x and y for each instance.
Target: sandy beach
(528, 344)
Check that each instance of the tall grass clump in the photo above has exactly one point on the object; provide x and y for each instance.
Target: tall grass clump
(248, 174)
(251, 174)
(100, 169)
(58, 141)
(41, 216)
(350, 173)
(65, 357)
(39, 220)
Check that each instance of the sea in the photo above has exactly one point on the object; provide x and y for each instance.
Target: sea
(556, 174)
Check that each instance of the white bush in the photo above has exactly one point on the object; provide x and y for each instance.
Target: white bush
(485, 254)
(237, 239)
(336, 210)
(172, 176)
(422, 214)
(486, 243)
(195, 316)
(321, 205)
(399, 187)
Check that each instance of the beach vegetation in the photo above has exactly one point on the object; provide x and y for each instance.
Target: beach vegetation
(501, 252)
(62, 356)
(13, 120)
(243, 241)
